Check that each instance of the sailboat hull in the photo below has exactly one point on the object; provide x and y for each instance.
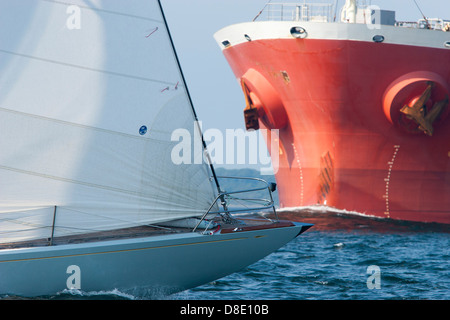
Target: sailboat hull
(156, 265)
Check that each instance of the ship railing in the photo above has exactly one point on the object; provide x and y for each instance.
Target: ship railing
(432, 24)
(316, 12)
(254, 200)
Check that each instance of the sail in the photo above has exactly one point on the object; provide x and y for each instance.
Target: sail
(90, 94)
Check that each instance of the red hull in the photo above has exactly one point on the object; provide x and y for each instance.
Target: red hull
(343, 143)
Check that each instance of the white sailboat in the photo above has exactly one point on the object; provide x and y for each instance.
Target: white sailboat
(90, 197)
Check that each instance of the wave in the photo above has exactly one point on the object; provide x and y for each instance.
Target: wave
(112, 294)
(325, 209)
(329, 218)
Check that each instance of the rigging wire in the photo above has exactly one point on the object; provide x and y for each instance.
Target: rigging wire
(257, 16)
(426, 20)
(335, 9)
(205, 149)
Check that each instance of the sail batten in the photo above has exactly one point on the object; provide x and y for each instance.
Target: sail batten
(87, 112)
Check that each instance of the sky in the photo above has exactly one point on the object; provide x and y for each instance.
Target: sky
(215, 92)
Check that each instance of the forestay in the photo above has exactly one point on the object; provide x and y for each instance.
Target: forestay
(90, 93)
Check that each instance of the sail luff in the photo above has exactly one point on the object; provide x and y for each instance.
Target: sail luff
(205, 149)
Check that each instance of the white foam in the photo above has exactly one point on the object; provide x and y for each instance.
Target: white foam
(114, 292)
(323, 208)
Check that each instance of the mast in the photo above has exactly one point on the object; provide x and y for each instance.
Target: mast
(190, 101)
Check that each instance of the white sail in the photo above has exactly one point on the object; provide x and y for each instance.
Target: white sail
(90, 93)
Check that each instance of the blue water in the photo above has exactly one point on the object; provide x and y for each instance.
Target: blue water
(333, 265)
(330, 262)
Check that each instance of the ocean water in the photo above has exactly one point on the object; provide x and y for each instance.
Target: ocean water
(343, 257)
